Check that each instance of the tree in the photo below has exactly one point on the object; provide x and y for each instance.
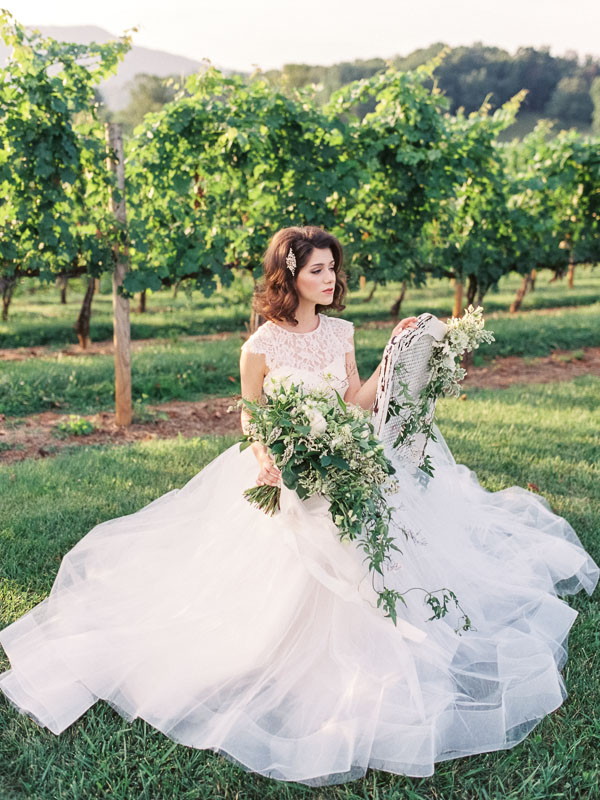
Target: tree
(536, 240)
(595, 97)
(395, 167)
(214, 172)
(571, 102)
(470, 238)
(562, 175)
(148, 93)
(54, 183)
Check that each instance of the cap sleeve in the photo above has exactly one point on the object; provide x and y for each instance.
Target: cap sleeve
(344, 331)
(258, 342)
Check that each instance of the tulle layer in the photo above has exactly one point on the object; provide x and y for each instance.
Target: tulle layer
(259, 638)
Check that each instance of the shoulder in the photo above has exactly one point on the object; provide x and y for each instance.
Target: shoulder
(343, 327)
(260, 340)
(343, 330)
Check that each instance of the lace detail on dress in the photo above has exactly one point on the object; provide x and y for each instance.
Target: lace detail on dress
(318, 358)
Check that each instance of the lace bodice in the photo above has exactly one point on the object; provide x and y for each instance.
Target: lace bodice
(317, 358)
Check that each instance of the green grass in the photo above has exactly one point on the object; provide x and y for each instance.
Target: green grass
(521, 334)
(167, 371)
(190, 370)
(437, 296)
(543, 433)
(37, 318)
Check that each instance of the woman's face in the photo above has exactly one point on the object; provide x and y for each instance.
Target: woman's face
(316, 280)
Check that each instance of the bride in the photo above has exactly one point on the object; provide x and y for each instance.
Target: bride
(259, 638)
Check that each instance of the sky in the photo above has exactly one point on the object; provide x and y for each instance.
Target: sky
(246, 34)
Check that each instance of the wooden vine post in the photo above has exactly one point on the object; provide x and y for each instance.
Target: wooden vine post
(571, 270)
(121, 325)
(458, 297)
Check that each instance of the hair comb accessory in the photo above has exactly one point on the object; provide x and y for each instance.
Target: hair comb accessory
(290, 261)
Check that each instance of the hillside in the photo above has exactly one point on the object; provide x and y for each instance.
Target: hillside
(139, 59)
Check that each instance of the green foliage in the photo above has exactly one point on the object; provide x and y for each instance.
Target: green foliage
(216, 171)
(571, 101)
(595, 97)
(74, 425)
(470, 74)
(223, 163)
(52, 172)
(556, 181)
(467, 76)
(148, 93)
(401, 155)
(471, 235)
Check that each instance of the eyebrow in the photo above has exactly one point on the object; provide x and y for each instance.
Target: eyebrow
(321, 264)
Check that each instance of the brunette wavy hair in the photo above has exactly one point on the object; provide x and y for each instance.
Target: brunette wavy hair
(276, 296)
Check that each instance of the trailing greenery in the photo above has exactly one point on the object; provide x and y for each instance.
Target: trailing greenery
(414, 416)
(543, 434)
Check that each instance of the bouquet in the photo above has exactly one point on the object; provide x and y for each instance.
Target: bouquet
(328, 447)
(463, 334)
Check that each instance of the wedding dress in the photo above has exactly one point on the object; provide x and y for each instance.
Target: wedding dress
(259, 638)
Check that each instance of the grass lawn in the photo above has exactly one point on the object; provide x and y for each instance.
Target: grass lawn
(544, 433)
(38, 318)
(190, 370)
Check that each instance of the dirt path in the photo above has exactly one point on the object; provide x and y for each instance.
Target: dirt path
(35, 436)
(560, 365)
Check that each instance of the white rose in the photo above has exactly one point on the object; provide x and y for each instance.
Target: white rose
(280, 382)
(318, 423)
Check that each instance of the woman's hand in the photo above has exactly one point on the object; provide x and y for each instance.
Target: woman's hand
(269, 474)
(407, 322)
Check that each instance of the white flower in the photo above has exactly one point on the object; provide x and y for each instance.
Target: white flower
(280, 382)
(318, 423)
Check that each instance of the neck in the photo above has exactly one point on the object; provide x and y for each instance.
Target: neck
(306, 314)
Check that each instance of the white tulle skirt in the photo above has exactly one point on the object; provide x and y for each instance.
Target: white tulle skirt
(259, 637)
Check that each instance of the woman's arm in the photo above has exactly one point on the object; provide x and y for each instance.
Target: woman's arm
(253, 369)
(364, 396)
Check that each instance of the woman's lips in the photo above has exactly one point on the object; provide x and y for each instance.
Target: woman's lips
(328, 291)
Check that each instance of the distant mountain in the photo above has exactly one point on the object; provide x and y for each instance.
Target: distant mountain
(139, 59)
